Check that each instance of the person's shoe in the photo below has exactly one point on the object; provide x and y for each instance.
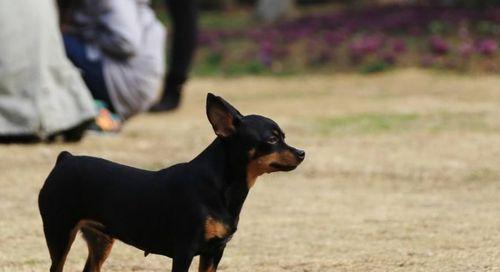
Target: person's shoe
(72, 135)
(169, 102)
(105, 121)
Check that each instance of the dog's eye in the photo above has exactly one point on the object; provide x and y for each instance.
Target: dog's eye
(272, 140)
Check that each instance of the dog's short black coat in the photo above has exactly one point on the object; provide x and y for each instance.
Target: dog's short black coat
(182, 211)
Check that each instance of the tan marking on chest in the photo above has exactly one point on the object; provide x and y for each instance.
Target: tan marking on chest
(215, 229)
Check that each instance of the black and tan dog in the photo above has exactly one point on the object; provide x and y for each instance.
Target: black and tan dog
(182, 211)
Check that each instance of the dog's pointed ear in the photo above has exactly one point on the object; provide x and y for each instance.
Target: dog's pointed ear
(223, 117)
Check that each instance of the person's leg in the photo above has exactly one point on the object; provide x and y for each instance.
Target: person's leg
(184, 14)
(93, 76)
(92, 71)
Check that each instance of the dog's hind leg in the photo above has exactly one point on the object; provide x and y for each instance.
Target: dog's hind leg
(99, 245)
(59, 239)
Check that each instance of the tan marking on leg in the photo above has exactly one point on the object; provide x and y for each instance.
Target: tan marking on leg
(215, 229)
(99, 245)
(206, 265)
(211, 268)
(82, 223)
(90, 224)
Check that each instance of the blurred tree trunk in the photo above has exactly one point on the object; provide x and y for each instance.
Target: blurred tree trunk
(273, 10)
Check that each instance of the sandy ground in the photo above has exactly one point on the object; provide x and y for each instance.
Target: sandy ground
(402, 174)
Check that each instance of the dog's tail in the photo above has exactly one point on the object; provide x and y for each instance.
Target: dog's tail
(63, 155)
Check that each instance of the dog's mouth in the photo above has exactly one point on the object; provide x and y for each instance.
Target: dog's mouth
(282, 167)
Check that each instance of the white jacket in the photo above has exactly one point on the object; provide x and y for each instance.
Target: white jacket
(40, 90)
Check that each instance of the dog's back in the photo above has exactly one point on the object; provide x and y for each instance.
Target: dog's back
(80, 183)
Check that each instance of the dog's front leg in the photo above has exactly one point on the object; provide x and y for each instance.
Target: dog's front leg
(210, 261)
(182, 262)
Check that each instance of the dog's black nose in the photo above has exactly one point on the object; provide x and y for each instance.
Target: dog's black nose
(301, 154)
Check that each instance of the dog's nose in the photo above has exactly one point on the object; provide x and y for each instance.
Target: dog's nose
(301, 154)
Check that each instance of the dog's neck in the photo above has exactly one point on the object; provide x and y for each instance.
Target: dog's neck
(227, 174)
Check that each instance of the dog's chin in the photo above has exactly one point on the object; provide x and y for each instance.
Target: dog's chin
(282, 167)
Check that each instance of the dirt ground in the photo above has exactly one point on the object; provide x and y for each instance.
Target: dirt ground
(402, 173)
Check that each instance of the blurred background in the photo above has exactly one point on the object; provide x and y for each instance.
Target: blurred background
(292, 36)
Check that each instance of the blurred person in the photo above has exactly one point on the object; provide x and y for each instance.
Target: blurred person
(184, 18)
(42, 95)
(119, 47)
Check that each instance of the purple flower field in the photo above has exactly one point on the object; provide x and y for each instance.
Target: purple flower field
(367, 40)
